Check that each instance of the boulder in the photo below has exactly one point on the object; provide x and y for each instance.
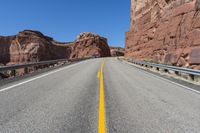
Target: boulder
(3, 75)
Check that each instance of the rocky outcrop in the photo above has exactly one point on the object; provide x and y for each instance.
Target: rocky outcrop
(90, 44)
(5, 43)
(197, 5)
(117, 51)
(166, 31)
(31, 46)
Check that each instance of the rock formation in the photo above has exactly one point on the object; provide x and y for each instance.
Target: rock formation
(90, 44)
(166, 31)
(5, 43)
(117, 51)
(31, 46)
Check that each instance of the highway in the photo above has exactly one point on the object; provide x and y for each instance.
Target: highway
(72, 99)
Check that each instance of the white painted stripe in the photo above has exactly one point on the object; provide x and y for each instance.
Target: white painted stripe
(38, 77)
(188, 88)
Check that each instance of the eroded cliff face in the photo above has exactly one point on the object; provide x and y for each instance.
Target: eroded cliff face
(31, 46)
(166, 31)
(5, 43)
(90, 44)
(117, 51)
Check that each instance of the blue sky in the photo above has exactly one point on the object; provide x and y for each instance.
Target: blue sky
(64, 19)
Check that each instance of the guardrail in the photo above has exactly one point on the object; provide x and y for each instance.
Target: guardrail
(13, 68)
(193, 74)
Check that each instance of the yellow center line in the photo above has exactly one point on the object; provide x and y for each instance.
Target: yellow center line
(101, 122)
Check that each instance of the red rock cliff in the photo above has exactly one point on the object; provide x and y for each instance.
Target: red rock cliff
(31, 46)
(90, 44)
(166, 31)
(117, 51)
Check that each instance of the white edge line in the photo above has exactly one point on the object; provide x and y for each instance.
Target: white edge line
(188, 88)
(38, 77)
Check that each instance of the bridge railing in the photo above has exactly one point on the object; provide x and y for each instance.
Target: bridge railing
(193, 74)
(41, 64)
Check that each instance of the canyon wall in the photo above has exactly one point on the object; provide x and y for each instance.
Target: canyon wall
(33, 46)
(165, 31)
(5, 43)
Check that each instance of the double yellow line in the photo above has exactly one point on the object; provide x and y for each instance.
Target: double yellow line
(102, 120)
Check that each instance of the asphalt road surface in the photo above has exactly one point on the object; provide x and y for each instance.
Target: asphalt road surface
(66, 100)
